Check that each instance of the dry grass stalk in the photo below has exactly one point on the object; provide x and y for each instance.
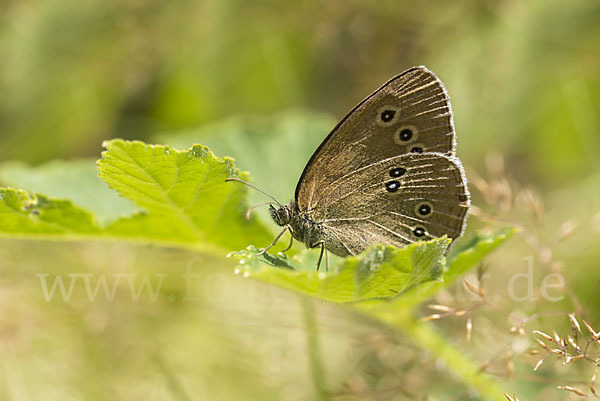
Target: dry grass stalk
(557, 338)
(546, 336)
(573, 344)
(574, 322)
(591, 330)
(573, 390)
(435, 316)
(565, 231)
(541, 343)
(441, 308)
(472, 288)
(484, 366)
(511, 202)
(469, 328)
(572, 349)
(537, 365)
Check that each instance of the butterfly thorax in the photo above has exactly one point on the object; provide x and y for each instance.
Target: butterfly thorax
(304, 229)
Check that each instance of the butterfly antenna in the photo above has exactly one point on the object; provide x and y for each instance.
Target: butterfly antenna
(253, 187)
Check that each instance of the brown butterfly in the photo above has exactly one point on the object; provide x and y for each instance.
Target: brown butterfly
(387, 174)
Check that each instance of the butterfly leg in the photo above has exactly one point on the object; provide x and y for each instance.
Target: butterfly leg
(291, 241)
(287, 227)
(322, 245)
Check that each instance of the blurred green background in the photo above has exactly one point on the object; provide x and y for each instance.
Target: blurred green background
(264, 81)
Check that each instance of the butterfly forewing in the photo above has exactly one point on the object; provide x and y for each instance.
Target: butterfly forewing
(395, 201)
(409, 114)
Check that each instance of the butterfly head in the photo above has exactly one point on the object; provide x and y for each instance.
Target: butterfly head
(281, 214)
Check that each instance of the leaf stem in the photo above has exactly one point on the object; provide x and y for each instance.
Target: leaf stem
(424, 335)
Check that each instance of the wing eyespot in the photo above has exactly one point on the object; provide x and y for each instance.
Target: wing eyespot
(417, 148)
(392, 186)
(387, 115)
(424, 209)
(397, 172)
(419, 231)
(406, 134)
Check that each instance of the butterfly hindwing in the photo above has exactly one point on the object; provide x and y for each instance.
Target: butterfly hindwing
(395, 201)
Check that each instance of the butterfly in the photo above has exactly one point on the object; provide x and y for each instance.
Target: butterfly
(387, 173)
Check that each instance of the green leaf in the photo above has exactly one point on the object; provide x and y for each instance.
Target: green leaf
(182, 197)
(407, 276)
(22, 213)
(76, 180)
(473, 251)
(378, 273)
(381, 272)
(183, 194)
(460, 260)
(275, 149)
